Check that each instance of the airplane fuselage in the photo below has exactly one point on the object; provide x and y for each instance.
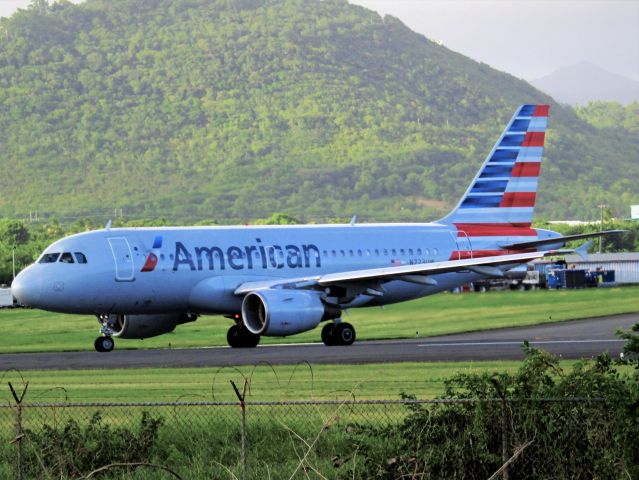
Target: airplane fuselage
(197, 269)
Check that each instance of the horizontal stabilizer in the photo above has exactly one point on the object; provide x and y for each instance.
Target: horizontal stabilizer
(563, 239)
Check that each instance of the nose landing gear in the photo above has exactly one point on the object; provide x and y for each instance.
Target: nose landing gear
(105, 342)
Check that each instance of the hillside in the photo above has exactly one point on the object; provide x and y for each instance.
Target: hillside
(234, 109)
(584, 82)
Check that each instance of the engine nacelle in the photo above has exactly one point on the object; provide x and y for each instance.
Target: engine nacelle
(146, 326)
(279, 313)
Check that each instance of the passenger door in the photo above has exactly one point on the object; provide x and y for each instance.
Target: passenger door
(123, 259)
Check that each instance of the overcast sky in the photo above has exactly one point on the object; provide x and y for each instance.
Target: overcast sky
(528, 38)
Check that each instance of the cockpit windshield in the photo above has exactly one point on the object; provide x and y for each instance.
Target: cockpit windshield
(49, 258)
(66, 257)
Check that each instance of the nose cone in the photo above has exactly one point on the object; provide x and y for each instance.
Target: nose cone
(27, 287)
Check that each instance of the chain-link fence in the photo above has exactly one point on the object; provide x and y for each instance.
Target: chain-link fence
(457, 438)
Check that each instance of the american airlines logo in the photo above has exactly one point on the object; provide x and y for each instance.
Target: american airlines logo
(247, 257)
(152, 259)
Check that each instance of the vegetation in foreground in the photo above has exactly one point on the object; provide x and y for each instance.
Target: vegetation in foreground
(35, 330)
(541, 420)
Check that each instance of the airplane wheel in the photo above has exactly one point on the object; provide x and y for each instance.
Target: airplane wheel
(104, 344)
(250, 340)
(327, 334)
(240, 337)
(233, 337)
(344, 334)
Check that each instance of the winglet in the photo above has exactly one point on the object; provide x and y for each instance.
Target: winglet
(108, 225)
(583, 250)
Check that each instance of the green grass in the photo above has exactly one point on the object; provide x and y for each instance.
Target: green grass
(288, 382)
(34, 330)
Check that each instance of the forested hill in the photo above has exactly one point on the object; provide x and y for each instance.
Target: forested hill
(234, 109)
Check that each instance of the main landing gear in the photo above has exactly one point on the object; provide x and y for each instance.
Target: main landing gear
(239, 337)
(105, 343)
(338, 334)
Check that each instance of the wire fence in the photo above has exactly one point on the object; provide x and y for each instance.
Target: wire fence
(388, 439)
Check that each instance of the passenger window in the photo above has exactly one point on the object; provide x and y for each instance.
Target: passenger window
(385, 251)
(393, 252)
(343, 253)
(66, 257)
(333, 252)
(377, 252)
(419, 251)
(80, 257)
(49, 258)
(359, 253)
(410, 251)
(325, 253)
(401, 252)
(350, 252)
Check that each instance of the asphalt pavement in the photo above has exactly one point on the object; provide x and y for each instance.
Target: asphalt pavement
(572, 339)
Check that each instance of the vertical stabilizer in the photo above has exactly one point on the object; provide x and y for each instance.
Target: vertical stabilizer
(502, 195)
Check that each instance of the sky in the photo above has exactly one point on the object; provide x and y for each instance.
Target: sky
(527, 38)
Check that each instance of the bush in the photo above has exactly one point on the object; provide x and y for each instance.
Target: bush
(73, 450)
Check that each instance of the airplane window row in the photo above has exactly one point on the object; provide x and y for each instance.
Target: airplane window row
(65, 257)
(377, 252)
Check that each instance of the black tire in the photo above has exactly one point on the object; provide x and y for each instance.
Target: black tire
(233, 337)
(249, 340)
(328, 334)
(344, 334)
(240, 337)
(104, 344)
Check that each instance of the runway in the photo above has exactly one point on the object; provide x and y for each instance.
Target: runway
(573, 339)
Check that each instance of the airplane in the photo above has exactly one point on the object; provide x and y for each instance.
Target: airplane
(284, 280)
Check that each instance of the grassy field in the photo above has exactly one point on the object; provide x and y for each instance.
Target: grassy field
(34, 330)
(288, 382)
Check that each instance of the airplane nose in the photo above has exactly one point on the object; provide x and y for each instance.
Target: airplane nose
(27, 287)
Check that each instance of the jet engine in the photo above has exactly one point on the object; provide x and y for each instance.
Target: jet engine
(146, 326)
(279, 313)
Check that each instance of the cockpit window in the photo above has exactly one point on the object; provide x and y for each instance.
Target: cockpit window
(80, 257)
(49, 258)
(66, 257)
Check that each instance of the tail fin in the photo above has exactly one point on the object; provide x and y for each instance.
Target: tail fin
(502, 195)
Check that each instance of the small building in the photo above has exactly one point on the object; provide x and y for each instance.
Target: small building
(6, 299)
(625, 264)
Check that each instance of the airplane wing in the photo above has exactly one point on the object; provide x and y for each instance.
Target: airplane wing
(412, 273)
(563, 239)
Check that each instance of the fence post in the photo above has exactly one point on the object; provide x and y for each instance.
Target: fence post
(504, 438)
(241, 397)
(19, 430)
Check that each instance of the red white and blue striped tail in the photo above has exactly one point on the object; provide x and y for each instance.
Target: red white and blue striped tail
(500, 201)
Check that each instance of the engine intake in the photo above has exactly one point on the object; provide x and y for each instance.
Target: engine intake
(147, 326)
(279, 313)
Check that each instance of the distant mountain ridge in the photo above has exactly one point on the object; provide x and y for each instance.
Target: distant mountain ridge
(584, 82)
(234, 109)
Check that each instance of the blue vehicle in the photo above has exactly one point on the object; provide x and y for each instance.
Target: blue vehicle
(283, 280)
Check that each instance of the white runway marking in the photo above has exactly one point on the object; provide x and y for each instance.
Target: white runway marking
(534, 342)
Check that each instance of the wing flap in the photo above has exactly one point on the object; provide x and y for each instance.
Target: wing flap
(427, 268)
